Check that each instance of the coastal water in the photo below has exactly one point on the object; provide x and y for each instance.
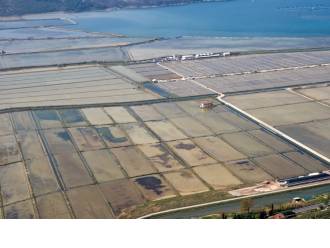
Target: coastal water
(235, 18)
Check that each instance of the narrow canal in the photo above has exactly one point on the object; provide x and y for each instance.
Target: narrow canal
(258, 202)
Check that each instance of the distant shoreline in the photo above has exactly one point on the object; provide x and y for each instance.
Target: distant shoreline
(133, 7)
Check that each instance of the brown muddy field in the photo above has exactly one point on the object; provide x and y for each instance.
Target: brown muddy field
(247, 171)
(138, 134)
(161, 158)
(185, 182)
(246, 144)
(217, 176)
(280, 167)
(166, 130)
(190, 153)
(96, 116)
(101, 162)
(219, 149)
(105, 167)
(86, 138)
(154, 187)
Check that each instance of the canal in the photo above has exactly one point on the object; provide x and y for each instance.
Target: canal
(258, 202)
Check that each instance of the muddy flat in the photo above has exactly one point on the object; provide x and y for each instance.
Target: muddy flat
(103, 165)
(14, 183)
(307, 162)
(190, 153)
(52, 206)
(147, 113)
(5, 125)
(23, 121)
(121, 194)
(20, 210)
(133, 161)
(154, 187)
(9, 152)
(166, 130)
(139, 134)
(219, 149)
(279, 167)
(185, 182)
(59, 141)
(86, 138)
(246, 144)
(161, 157)
(41, 175)
(271, 141)
(96, 116)
(30, 144)
(191, 127)
(48, 119)
(113, 136)
(120, 114)
(217, 176)
(72, 117)
(89, 203)
(72, 170)
(247, 171)
(169, 109)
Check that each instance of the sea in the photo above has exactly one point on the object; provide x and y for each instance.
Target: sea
(231, 18)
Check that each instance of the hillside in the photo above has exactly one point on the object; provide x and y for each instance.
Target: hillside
(20, 7)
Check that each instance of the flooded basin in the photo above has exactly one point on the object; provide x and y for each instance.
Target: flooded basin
(72, 170)
(217, 176)
(191, 127)
(14, 183)
(238, 121)
(264, 99)
(219, 149)
(88, 203)
(20, 210)
(279, 167)
(72, 117)
(120, 114)
(122, 194)
(154, 187)
(133, 161)
(5, 125)
(294, 113)
(23, 121)
(319, 93)
(48, 119)
(306, 161)
(160, 157)
(86, 138)
(310, 134)
(248, 172)
(185, 182)
(41, 175)
(166, 130)
(215, 123)
(59, 141)
(113, 136)
(147, 113)
(246, 144)
(30, 144)
(103, 165)
(96, 116)
(139, 134)
(272, 141)
(190, 153)
(169, 109)
(52, 206)
(9, 152)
